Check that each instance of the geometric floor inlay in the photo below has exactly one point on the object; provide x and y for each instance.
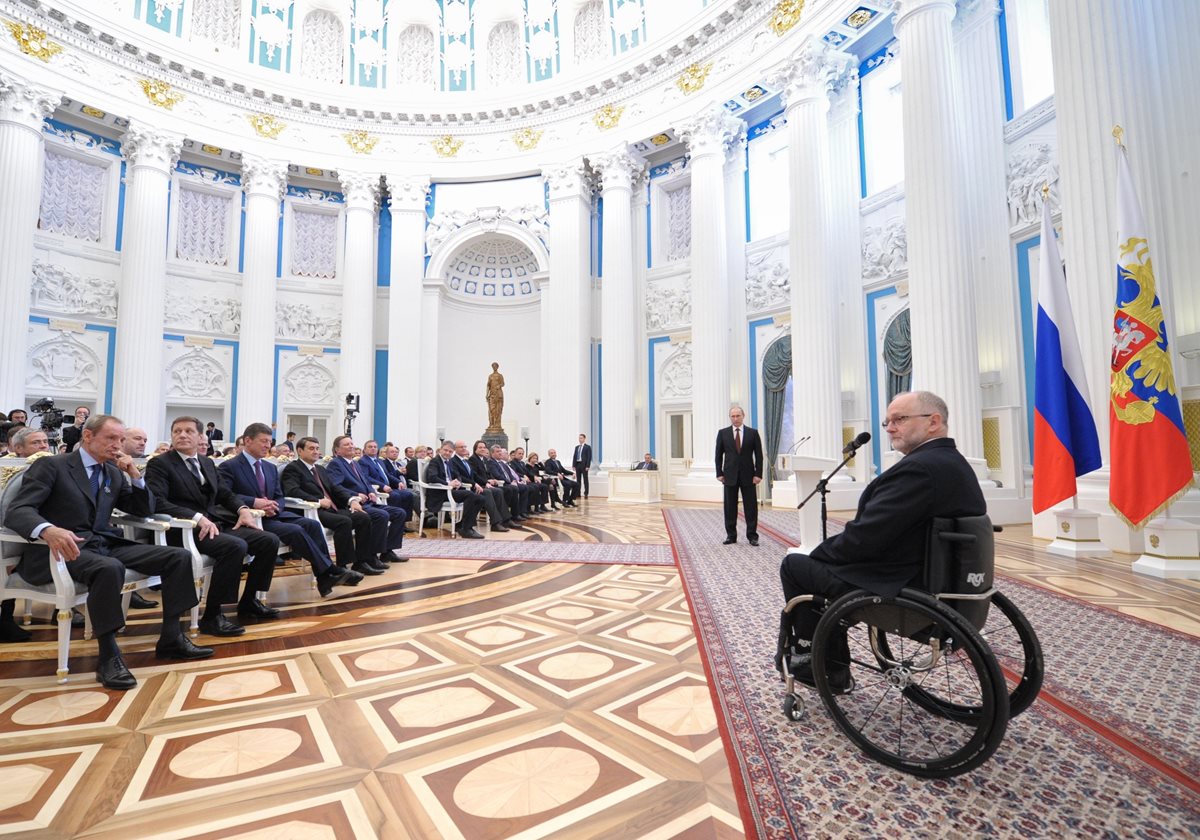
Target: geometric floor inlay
(576, 668)
(36, 784)
(676, 713)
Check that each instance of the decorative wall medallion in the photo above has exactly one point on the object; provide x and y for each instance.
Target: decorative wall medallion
(447, 145)
(56, 289)
(309, 383)
(1066, 526)
(527, 139)
(312, 170)
(160, 93)
(860, 17)
(196, 375)
(265, 125)
(753, 93)
(660, 139)
(1154, 540)
(693, 77)
(94, 113)
(212, 150)
(33, 41)
(361, 141)
(608, 117)
(785, 16)
(63, 362)
(677, 373)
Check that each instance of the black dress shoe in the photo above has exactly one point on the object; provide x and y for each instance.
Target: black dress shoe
(351, 578)
(369, 569)
(392, 557)
(470, 534)
(498, 529)
(219, 625)
(514, 525)
(327, 580)
(10, 631)
(408, 529)
(112, 673)
(137, 602)
(754, 541)
(256, 609)
(729, 541)
(181, 648)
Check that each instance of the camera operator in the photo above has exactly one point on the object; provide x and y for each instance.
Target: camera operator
(71, 434)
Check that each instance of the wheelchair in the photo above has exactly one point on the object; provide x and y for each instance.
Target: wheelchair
(934, 674)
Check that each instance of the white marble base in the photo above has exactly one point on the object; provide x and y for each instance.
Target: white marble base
(1173, 549)
(695, 487)
(783, 494)
(1077, 534)
(636, 487)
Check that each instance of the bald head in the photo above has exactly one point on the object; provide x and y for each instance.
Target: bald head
(134, 443)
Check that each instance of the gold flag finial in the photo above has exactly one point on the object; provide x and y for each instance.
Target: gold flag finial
(1119, 135)
(1045, 190)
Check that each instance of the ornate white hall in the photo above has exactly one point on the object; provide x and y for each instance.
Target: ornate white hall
(644, 211)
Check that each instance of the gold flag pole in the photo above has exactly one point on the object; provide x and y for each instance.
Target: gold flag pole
(1118, 134)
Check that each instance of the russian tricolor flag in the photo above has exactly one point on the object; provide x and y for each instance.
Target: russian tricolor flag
(1065, 442)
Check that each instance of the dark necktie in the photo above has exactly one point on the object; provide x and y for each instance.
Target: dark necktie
(737, 440)
(96, 470)
(320, 483)
(262, 479)
(194, 466)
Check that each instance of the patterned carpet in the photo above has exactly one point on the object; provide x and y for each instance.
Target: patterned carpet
(1110, 750)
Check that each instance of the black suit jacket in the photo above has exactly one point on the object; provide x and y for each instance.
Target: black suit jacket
(739, 468)
(585, 456)
(437, 473)
(178, 493)
(71, 435)
(882, 549)
(479, 470)
(554, 466)
(57, 490)
(298, 481)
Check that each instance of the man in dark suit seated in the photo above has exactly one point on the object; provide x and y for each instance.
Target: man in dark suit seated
(515, 492)
(185, 485)
(344, 470)
(553, 466)
(882, 550)
(257, 484)
(394, 468)
(647, 463)
(481, 476)
(357, 537)
(395, 490)
(65, 502)
(492, 498)
(440, 472)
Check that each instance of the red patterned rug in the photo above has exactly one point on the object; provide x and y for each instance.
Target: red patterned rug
(1110, 749)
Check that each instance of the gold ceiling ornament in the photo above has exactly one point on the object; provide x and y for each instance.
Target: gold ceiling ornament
(859, 18)
(160, 93)
(94, 113)
(33, 41)
(360, 141)
(608, 117)
(312, 170)
(265, 125)
(693, 77)
(753, 93)
(785, 16)
(1154, 540)
(660, 139)
(447, 145)
(526, 139)
(212, 150)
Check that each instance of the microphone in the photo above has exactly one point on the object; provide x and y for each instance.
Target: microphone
(853, 446)
(792, 449)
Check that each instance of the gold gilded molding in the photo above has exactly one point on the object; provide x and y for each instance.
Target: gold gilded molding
(660, 139)
(785, 16)
(360, 141)
(1154, 541)
(95, 113)
(212, 150)
(447, 145)
(859, 18)
(312, 170)
(33, 41)
(608, 117)
(753, 93)
(527, 139)
(160, 93)
(693, 77)
(265, 125)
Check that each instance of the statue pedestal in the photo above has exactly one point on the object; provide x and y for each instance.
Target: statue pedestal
(495, 438)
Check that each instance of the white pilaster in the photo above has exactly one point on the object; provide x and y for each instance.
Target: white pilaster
(427, 399)
(640, 199)
(617, 169)
(264, 182)
(566, 301)
(357, 364)
(708, 135)
(817, 405)
(408, 351)
(941, 292)
(735, 249)
(22, 109)
(137, 381)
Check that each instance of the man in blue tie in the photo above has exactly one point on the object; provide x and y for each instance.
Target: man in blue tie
(352, 477)
(257, 483)
(395, 489)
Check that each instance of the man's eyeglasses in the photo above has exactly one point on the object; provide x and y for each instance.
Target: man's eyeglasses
(898, 420)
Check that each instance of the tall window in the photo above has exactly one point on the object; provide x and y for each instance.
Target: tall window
(322, 55)
(506, 59)
(591, 34)
(883, 125)
(415, 58)
(1029, 52)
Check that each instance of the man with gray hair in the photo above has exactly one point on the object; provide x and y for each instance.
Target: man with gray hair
(23, 443)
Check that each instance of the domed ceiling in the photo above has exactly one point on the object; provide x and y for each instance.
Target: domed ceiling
(493, 267)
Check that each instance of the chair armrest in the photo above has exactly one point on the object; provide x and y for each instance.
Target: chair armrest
(300, 504)
(145, 523)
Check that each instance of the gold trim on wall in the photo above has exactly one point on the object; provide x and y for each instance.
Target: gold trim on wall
(992, 450)
(33, 41)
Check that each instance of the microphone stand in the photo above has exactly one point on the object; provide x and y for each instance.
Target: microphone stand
(823, 488)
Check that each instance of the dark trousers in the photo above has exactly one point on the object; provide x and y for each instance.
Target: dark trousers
(470, 501)
(802, 575)
(492, 499)
(749, 493)
(581, 473)
(228, 550)
(403, 499)
(570, 490)
(303, 536)
(517, 498)
(396, 517)
(354, 536)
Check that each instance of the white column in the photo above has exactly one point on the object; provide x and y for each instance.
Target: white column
(357, 364)
(427, 399)
(817, 403)
(22, 109)
(617, 169)
(407, 351)
(708, 136)
(997, 302)
(640, 198)
(137, 381)
(264, 182)
(566, 300)
(735, 249)
(941, 293)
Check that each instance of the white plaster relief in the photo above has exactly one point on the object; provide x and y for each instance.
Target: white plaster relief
(1029, 169)
(768, 284)
(668, 308)
(885, 250)
(532, 217)
(63, 363)
(308, 383)
(58, 289)
(677, 372)
(196, 375)
(299, 320)
(193, 311)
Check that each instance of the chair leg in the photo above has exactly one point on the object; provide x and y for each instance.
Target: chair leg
(64, 643)
(28, 611)
(87, 624)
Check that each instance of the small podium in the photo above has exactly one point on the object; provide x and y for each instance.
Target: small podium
(807, 471)
(633, 487)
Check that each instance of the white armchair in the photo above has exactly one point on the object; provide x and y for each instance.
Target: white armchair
(450, 511)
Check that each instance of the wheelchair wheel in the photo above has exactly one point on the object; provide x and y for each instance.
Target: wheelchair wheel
(911, 658)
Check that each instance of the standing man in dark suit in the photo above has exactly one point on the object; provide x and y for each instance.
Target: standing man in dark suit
(65, 503)
(581, 462)
(739, 460)
(882, 549)
(185, 485)
(440, 472)
(257, 484)
(72, 434)
(213, 433)
(357, 537)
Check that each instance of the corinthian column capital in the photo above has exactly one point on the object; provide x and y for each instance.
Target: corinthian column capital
(23, 103)
(147, 146)
(906, 10)
(813, 71)
(617, 168)
(566, 180)
(263, 176)
(408, 192)
(361, 189)
(710, 132)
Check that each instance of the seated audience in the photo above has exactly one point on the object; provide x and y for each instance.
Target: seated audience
(539, 494)
(185, 484)
(134, 444)
(440, 482)
(516, 491)
(491, 496)
(346, 472)
(539, 475)
(22, 443)
(554, 467)
(394, 490)
(229, 451)
(483, 465)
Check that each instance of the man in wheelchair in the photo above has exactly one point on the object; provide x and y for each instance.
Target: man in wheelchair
(882, 550)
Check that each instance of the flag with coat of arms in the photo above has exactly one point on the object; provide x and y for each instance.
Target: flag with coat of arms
(1150, 463)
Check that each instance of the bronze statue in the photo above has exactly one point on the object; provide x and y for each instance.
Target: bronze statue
(495, 399)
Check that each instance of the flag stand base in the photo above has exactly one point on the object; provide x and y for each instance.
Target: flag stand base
(1077, 534)
(1172, 550)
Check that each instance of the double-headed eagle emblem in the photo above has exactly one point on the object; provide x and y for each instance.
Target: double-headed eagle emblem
(1139, 345)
